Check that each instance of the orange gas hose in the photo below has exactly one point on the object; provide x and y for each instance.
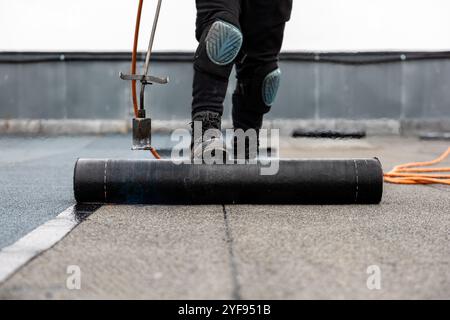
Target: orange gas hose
(155, 154)
(133, 68)
(414, 173)
(134, 57)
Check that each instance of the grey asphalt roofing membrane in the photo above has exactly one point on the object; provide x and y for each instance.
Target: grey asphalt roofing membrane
(250, 252)
(36, 176)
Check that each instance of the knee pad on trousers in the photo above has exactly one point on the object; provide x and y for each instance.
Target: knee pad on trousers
(258, 93)
(218, 48)
(270, 86)
(223, 43)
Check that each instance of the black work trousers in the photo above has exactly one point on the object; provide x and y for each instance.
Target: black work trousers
(262, 24)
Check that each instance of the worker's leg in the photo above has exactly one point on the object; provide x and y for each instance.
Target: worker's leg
(263, 23)
(220, 41)
(258, 75)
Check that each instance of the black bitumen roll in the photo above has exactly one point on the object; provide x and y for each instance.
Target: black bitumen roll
(356, 181)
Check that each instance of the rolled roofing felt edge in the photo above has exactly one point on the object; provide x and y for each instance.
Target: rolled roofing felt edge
(312, 181)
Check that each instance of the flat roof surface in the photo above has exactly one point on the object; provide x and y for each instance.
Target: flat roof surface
(226, 252)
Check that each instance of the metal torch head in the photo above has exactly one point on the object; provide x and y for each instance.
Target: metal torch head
(142, 134)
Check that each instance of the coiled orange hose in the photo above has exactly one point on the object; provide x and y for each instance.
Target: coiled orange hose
(414, 173)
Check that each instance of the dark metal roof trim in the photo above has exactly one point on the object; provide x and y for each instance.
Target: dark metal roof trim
(351, 58)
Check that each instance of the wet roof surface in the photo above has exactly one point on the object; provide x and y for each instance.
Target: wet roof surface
(36, 176)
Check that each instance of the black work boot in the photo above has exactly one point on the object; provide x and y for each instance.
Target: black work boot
(247, 125)
(207, 142)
